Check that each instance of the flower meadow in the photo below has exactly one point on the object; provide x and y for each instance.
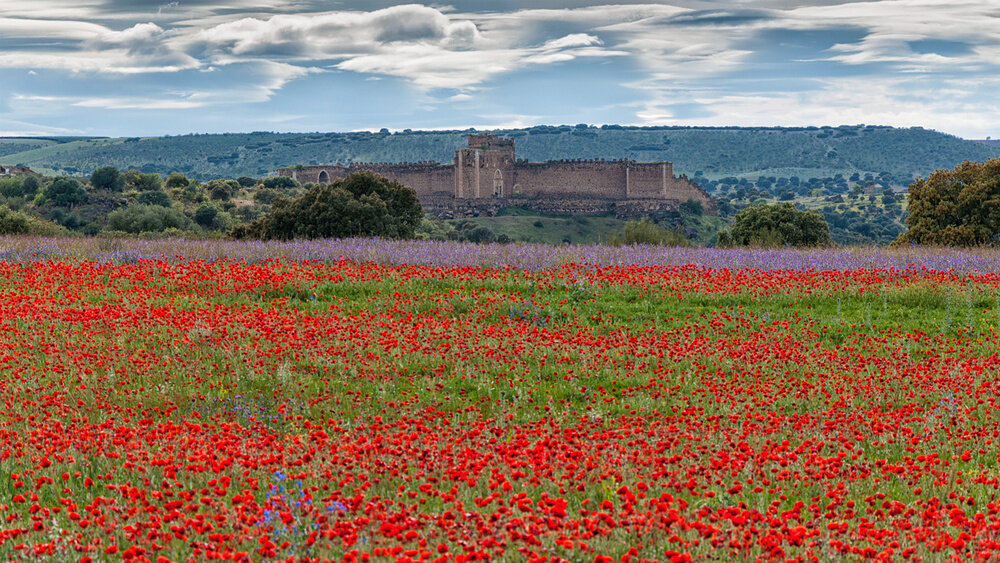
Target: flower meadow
(223, 403)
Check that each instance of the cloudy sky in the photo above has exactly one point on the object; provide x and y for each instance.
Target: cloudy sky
(154, 67)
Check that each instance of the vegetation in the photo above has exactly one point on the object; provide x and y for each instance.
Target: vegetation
(714, 152)
(780, 224)
(362, 204)
(958, 207)
(647, 232)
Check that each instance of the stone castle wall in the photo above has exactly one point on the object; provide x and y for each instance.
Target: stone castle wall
(486, 175)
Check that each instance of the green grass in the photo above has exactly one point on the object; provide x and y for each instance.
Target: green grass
(553, 229)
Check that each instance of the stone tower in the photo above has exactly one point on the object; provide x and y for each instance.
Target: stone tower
(486, 168)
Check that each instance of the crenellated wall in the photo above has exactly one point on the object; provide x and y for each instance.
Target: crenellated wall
(425, 178)
(571, 178)
(488, 171)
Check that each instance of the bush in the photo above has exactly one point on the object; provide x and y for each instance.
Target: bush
(693, 207)
(147, 219)
(29, 186)
(11, 187)
(205, 215)
(647, 232)
(280, 183)
(13, 222)
(154, 197)
(177, 180)
(107, 178)
(958, 207)
(65, 192)
(142, 182)
(777, 225)
(362, 204)
(222, 190)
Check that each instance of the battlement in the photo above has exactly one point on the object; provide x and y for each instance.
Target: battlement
(488, 169)
(490, 142)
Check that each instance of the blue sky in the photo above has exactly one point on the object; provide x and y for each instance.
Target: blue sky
(154, 67)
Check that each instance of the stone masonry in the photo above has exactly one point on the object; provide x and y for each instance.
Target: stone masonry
(485, 177)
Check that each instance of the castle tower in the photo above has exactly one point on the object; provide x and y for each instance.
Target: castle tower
(486, 168)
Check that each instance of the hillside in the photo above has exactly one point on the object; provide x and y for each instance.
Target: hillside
(805, 152)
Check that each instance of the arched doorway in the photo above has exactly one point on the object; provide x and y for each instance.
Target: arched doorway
(324, 178)
(498, 183)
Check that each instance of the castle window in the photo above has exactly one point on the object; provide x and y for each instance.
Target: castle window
(498, 183)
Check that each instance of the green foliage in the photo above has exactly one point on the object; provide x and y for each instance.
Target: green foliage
(280, 183)
(147, 219)
(265, 196)
(206, 214)
(142, 182)
(246, 181)
(107, 178)
(648, 232)
(154, 197)
(693, 206)
(65, 192)
(13, 222)
(470, 231)
(30, 185)
(362, 204)
(19, 223)
(177, 180)
(779, 224)
(11, 187)
(717, 152)
(222, 190)
(958, 207)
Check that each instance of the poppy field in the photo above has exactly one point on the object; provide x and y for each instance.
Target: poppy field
(226, 408)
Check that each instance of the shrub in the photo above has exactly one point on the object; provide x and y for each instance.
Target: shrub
(65, 192)
(154, 197)
(647, 232)
(147, 219)
(280, 183)
(13, 222)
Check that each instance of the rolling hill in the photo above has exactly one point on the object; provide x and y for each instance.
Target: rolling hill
(711, 152)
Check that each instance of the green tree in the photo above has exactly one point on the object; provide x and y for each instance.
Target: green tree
(11, 187)
(205, 215)
(154, 197)
(222, 190)
(958, 207)
(780, 224)
(142, 182)
(30, 186)
(177, 180)
(107, 178)
(362, 204)
(65, 192)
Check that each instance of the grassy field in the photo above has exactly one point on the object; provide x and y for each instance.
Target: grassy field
(257, 410)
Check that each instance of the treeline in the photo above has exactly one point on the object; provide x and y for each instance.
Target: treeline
(706, 152)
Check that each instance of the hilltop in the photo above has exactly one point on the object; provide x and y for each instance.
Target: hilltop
(896, 154)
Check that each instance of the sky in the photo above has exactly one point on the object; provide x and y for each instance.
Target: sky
(154, 67)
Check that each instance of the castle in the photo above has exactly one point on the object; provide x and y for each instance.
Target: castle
(486, 177)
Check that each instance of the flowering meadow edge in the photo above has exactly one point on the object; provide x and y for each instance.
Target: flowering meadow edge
(524, 256)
